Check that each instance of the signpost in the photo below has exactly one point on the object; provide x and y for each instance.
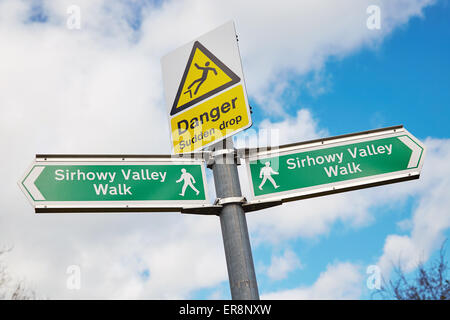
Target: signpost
(205, 90)
(335, 164)
(207, 104)
(107, 183)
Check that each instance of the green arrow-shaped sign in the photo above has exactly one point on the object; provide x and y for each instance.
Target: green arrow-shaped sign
(335, 164)
(116, 183)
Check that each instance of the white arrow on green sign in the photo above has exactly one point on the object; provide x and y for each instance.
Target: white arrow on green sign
(335, 164)
(115, 183)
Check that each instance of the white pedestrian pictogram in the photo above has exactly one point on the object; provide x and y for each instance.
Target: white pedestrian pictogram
(188, 181)
(266, 174)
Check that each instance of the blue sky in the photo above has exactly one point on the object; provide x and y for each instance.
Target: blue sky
(405, 80)
(99, 90)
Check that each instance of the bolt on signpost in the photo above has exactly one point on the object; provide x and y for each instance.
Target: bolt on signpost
(207, 104)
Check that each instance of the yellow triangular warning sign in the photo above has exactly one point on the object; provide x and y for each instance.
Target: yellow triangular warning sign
(204, 76)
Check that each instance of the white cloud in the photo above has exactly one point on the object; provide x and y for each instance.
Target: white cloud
(280, 266)
(112, 252)
(310, 218)
(339, 281)
(98, 90)
(405, 225)
(302, 127)
(276, 44)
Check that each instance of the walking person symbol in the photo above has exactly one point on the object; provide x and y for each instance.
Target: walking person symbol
(188, 180)
(266, 173)
(202, 79)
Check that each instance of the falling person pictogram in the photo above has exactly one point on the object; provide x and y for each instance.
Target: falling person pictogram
(188, 181)
(266, 174)
(202, 79)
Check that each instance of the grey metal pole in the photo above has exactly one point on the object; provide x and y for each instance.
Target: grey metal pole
(236, 241)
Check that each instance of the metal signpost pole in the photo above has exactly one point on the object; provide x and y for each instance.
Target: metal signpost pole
(241, 271)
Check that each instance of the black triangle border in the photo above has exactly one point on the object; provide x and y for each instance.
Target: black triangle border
(234, 79)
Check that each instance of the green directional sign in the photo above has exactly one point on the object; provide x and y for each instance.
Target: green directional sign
(116, 183)
(335, 164)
